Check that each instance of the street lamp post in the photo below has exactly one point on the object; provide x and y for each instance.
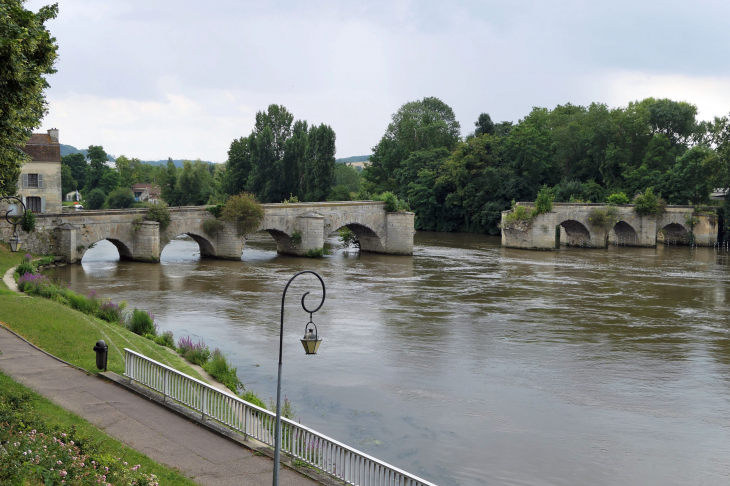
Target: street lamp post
(311, 343)
(15, 240)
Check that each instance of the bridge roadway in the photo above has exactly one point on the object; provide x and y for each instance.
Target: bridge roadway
(297, 228)
(573, 225)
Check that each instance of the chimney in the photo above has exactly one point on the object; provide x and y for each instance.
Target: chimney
(53, 133)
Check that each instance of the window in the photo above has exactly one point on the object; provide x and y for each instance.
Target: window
(33, 203)
(32, 180)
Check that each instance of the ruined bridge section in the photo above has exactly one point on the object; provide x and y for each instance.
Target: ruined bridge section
(298, 229)
(574, 225)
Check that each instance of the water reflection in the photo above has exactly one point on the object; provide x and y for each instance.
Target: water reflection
(470, 363)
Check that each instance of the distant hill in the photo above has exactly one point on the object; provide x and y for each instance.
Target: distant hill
(70, 149)
(355, 158)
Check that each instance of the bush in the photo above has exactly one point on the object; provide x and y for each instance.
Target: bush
(26, 266)
(165, 339)
(82, 303)
(110, 311)
(120, 198)
(543, 202)
(296, 237)
(28, 223)
(159, 212)
(605, 217)
(244, 211)
(292, 199)
(392, 202)
(253, 398)
(649, 203)
(287, 409)
(221, 370)
(212, 227)
(197, 353)
(519, 213)
(216, 210)
(96, 199)
(142, 323)
(618, 198)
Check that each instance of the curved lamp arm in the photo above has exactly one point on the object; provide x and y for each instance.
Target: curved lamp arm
(7, 215)
(283, 296)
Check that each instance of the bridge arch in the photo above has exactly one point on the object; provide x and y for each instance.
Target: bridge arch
(207, 248)
(674, 234)
(367, 237)
(624, 234)
(574, 233)
(125, 252)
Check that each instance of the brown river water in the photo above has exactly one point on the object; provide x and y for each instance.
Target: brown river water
(469, 363)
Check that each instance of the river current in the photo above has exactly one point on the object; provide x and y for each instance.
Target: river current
(469, 363)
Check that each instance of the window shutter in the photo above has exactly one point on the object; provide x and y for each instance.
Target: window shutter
(40, 181)
(25, 181)
(43, 205)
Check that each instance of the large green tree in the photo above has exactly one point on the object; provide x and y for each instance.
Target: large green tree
(78, 166)
(97, 167)
(27, 54)
(417, 125)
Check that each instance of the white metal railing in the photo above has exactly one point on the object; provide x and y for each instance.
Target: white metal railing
(302, 443)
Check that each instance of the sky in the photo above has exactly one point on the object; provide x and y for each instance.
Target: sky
(182, 79)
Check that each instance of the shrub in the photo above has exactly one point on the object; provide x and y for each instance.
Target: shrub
(197, 353)
(212, 227)
(287, 409)
(392, 202)
(315, 252)
(519, 213)
(221, 370)
(292, 199)
(252, 397)
(216, 210)
(81, 303)
(96, 199)
(605, 217)
(110, 311)
(120, 198)
(28, 223)
(244, 211)
(165, 339)
(142, 323)
(25, 267)
(649, 203)
(543, 202)
(618, 198)
(159, 212)
(348, 238)
(296, 237)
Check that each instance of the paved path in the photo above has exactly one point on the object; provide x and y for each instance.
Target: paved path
(141, 424)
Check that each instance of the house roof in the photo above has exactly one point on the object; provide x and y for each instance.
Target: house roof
(42, 149)
(153, 189)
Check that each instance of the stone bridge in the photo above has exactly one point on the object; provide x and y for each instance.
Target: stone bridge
(299, 229)
(578, 225)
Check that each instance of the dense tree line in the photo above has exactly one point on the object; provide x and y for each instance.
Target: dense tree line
(282, 158)
(578, 153)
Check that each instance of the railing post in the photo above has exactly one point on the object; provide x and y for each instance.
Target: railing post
(165, 385)
(203, 408)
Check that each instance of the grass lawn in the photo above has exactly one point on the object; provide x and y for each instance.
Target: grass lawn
(52, 415)
(71, 335)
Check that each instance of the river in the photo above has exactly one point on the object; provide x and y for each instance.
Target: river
(469, 363)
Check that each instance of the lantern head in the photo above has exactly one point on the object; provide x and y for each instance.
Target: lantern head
(15, 242)
(310, 341)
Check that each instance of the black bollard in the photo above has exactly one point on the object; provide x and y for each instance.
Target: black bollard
(101, 354)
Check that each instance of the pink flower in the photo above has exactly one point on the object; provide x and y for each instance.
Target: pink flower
(63, 473)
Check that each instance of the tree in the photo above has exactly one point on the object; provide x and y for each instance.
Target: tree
(169, 185)
(319, 163)
(120, 198)
(125, 170)
(68, 183)
(194, 184)
(97, 166)
(348, 177)
(484, 124)
(27, 53)
(95, 199)
(109, 181)
(77, 163)
(418, 125)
